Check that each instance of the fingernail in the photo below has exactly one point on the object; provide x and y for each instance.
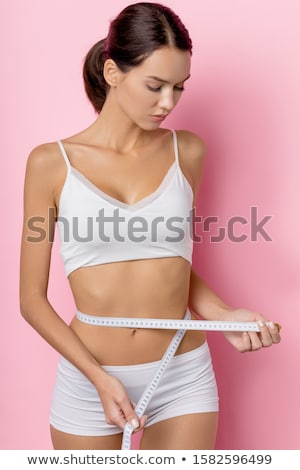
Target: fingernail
(271, 324)
(134, 423)
(261, 323)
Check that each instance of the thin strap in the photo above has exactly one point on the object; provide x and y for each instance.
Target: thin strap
(175, 141)
(64, 154)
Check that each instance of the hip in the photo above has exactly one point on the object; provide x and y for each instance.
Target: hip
(187, 386)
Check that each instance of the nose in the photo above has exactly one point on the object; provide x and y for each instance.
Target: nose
(166, 100)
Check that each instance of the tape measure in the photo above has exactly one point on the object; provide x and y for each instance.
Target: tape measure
(160, 323)
(170, 324)
(150, 389)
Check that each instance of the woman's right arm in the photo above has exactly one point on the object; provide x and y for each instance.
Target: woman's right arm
(40, 189)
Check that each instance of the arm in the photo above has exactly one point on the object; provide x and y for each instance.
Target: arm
(43, 172)
(203, 301)
(35, 263)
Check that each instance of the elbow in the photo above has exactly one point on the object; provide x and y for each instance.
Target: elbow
(24, 308)
(28, 305)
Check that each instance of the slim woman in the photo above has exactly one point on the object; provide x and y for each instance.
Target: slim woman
(123, 191)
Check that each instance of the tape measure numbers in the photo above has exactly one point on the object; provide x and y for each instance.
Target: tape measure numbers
(170, 324)
(150, 389)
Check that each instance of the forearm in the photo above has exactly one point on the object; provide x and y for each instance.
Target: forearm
(204, 301)
(42, 317)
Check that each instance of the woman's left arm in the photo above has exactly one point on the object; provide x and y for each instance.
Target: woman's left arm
(203, 301)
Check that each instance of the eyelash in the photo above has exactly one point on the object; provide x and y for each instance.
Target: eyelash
(156, 90)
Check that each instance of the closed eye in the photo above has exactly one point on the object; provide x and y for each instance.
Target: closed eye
(157, 89)
(151, 88)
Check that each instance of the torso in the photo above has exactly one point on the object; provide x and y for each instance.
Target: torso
(157, 288)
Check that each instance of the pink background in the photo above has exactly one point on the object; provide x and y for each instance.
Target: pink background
(243, 99)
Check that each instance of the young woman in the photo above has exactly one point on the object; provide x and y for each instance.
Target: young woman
(123, 191)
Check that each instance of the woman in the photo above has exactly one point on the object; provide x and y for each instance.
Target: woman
(117, 189)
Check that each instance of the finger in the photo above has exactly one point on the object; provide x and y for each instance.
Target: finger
(274, 332)
(256, 343)
(116, 417)
(142, 423)
(246, 342)
(129, 413)
(265, 335)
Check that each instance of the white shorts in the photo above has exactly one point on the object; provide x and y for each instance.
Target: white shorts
(187, 386)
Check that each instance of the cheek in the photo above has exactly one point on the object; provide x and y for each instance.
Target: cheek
(139, 97)
(135, 100)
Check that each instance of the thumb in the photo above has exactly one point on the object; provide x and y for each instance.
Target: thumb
(130, 415)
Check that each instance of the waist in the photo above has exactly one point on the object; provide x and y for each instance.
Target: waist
(133, 322)
(133, 288)
(125, 344)
(167, 323)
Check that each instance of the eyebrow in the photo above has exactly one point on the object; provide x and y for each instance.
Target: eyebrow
(165, 81)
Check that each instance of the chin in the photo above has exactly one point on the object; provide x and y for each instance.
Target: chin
(150, 126)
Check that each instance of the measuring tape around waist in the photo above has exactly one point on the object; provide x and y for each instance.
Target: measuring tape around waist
(170, 324)
(159, 323)
(150, 389)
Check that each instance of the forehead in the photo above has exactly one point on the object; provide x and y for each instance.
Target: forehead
(170, 64)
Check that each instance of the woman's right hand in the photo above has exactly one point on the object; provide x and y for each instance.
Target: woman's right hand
(117, 406)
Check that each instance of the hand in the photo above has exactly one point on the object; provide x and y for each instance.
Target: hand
(251, 341)
(118, 408)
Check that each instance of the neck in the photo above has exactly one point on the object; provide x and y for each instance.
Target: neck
(114, 129)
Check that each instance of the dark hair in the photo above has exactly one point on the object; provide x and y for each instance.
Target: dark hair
(134, 34)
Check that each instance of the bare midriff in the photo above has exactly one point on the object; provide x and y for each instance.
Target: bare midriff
(152, 288)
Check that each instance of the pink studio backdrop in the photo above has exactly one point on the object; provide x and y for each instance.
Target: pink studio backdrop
(243, 99)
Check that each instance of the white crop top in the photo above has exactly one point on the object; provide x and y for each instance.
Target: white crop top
(95, 228)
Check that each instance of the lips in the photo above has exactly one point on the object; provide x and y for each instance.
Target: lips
(158, 117)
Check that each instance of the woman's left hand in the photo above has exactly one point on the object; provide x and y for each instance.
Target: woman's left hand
(251, 341)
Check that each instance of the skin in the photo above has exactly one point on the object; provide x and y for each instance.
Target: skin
(126, 154)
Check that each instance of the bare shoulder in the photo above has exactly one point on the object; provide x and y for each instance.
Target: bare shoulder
(192, 153)
(191, 146)
(44, 158)
(45, 167)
